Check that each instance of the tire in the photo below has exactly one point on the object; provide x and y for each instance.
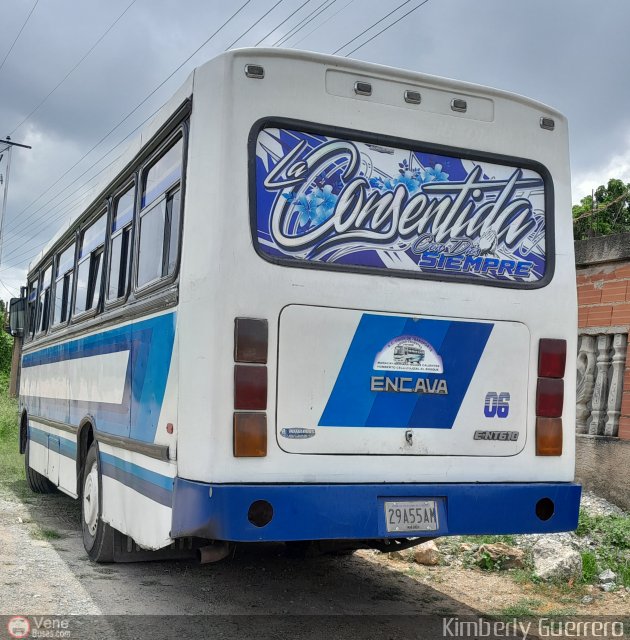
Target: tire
(36, 482)
(98, 536)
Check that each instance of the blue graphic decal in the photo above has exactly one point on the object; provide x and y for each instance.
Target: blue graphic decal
(407, 393)
(328, 200)
(150, 345)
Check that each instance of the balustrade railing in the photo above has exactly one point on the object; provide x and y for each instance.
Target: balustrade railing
(600, 367)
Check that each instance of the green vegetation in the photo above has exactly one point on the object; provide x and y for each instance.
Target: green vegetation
(46, 534)
(612, 551)
(527, 607)
(11, 462)
(606, 212)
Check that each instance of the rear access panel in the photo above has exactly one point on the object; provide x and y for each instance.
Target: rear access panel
(363, 382)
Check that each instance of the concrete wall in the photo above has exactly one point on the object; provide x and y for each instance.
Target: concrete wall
(603, 466)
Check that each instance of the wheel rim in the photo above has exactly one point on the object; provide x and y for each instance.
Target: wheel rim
(90, 499)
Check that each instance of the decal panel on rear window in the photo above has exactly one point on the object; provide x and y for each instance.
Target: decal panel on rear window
(341, 203)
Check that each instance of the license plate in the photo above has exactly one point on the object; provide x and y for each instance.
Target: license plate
(417, 515)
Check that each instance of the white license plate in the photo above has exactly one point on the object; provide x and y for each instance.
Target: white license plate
(417, 515)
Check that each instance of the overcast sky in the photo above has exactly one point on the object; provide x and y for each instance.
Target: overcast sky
(571, 54)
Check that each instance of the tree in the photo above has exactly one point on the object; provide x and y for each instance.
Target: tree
(604, 213)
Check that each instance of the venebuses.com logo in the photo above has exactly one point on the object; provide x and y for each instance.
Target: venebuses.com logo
(19, 627)
(38, 627)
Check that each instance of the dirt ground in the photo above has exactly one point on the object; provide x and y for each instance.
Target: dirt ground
(44, 570)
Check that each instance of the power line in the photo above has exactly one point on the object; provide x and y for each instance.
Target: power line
(11, 293)
(63, 211)
(87, 53)
(321, 24)
(159, 86)
(343, 46)
(385, 28)
(286, 36)
(28, 17)
(285, 20)
(21, 223)
(311, 20)
(254, 24)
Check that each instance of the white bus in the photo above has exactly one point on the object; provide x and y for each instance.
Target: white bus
(210, 350)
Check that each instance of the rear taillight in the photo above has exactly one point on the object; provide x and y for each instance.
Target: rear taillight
(251, 340)
(549, 397)
(250, 387)
(251, 337)
(552, 356)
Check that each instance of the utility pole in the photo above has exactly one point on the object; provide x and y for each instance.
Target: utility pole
(6, 146)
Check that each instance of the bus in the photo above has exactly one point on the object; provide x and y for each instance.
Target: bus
(211, 349)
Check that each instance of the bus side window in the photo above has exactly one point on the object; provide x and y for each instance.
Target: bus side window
(32, 309)
(120, 245)
(90, 266)
(43, 307)
(160, 214)
(63, 285)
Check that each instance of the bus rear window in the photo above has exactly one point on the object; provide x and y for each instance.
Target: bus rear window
(385, 206)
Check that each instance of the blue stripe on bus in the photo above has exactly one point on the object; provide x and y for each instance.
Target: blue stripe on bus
(155, 486)
(150, 346)
(67, 448)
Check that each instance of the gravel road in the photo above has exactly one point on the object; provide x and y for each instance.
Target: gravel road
(258, 589)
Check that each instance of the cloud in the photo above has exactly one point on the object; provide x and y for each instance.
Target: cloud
(617, 166)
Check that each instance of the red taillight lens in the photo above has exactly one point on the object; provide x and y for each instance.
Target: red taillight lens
(549, 397)
(552, 358)
(251, 339)
(250, 387)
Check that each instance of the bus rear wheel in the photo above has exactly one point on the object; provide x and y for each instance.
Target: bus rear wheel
(36, 482)
(98, 536)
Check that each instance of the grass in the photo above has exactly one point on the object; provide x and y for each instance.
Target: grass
(11, 462)
(527, 607)
(612, 535)
(46, 534)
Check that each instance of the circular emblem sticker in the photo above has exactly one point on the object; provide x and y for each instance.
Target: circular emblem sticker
(19, 627)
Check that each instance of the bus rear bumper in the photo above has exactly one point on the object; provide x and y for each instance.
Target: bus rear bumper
(357, 511)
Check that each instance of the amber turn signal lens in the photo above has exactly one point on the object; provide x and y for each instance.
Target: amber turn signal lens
(548, 436)
(250, 435)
